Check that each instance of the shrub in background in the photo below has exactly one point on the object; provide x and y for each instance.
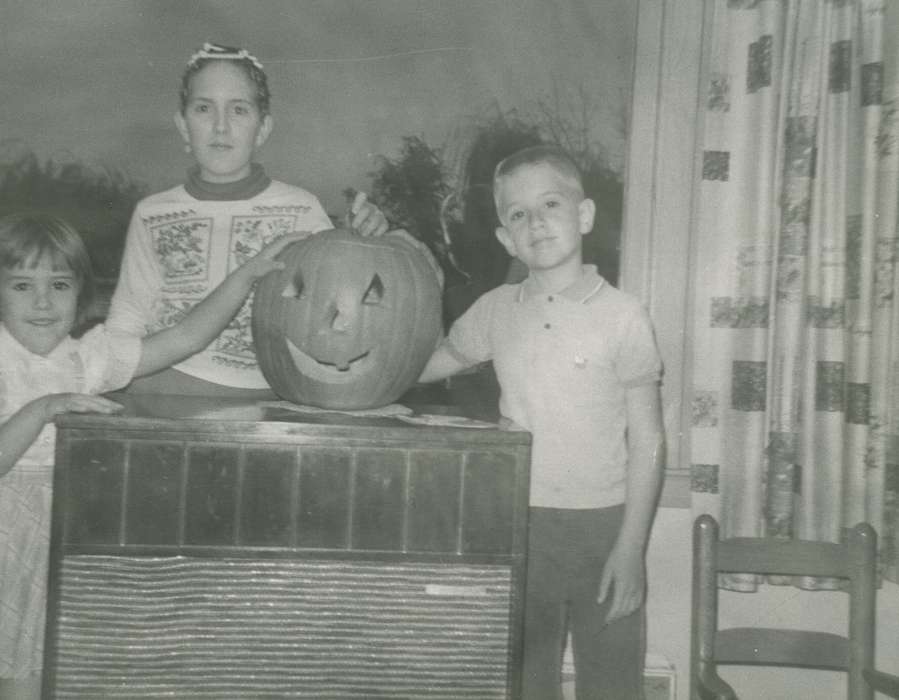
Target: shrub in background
(451, 209)
(98, 202)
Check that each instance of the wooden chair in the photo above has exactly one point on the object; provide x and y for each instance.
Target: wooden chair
(853, 560)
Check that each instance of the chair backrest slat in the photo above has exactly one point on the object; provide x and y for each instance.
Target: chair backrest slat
(778, 647)
(787, 557)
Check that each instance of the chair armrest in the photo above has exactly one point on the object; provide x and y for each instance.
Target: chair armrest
(882, 682)
(710, 686)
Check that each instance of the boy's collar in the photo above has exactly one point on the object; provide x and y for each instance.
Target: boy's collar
(245, 188)
(579, 291)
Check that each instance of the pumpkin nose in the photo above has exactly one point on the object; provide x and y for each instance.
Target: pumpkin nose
(344, 314)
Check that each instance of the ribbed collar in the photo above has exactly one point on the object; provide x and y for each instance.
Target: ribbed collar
(245, 188)
(579, 291)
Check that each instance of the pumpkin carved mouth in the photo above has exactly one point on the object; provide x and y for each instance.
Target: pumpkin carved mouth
(334, 372)
(350, 321)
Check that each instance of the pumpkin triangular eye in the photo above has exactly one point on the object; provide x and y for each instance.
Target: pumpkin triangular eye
(294, 288)
(375, 292)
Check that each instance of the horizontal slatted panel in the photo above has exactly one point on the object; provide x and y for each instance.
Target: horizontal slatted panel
(191, 628)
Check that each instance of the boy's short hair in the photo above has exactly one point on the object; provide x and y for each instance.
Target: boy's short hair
(549, 154)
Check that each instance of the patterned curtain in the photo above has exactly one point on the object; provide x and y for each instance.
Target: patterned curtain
(795, 395)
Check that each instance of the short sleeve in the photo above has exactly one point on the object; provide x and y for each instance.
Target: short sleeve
(469, 337)
(638, 361)
(109, 359)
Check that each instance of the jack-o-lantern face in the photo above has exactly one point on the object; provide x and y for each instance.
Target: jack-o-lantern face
(350, 322)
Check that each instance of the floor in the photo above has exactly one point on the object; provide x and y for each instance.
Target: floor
(659, 680)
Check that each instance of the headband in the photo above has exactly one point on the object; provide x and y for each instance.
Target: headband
(223, 52)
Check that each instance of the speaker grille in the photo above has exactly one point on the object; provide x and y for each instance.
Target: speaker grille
(182, 627)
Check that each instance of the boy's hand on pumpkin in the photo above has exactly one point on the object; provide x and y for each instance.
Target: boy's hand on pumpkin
(365, 218)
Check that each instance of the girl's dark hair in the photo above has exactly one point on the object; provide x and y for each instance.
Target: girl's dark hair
(239, 57)
(26, 237)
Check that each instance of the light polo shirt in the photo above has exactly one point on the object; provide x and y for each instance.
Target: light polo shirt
(564, 363)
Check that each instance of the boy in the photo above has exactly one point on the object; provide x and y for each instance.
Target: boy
(577, 367)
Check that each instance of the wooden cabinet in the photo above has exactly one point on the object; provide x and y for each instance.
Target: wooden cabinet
(224, 550)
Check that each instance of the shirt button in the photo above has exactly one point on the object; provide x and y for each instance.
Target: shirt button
(550, 298)
(546, 325)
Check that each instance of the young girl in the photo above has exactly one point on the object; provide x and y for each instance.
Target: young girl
(182, 242)
(45, 286)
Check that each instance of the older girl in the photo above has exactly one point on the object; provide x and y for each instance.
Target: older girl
(182, 242)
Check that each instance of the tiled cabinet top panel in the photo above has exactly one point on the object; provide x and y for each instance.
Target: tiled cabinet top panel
(147, 492)
(172, 474)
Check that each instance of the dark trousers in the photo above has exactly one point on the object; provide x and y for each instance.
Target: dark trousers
(567, 550)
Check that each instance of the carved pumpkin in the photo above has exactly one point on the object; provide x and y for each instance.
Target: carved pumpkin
(350, 322)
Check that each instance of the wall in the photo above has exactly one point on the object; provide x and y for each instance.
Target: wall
(655, 261)
(349, 78)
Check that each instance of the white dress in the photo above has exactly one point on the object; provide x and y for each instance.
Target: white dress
(97, 362)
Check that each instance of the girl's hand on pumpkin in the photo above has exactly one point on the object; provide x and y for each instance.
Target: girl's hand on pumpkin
(265, 260)
(365, 218)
